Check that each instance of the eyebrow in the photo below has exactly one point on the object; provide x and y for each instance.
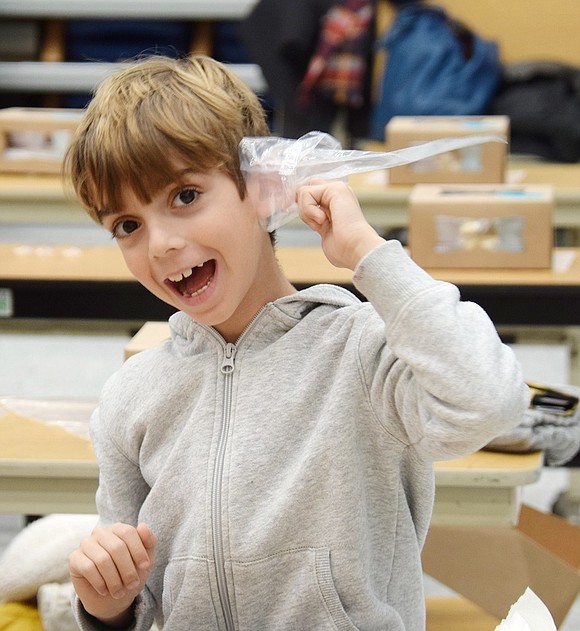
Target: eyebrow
(103, 213)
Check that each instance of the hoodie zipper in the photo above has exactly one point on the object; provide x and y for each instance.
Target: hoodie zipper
(227, 369)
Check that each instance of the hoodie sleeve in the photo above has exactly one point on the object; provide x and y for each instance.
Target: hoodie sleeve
(121, 492)
(453, 384)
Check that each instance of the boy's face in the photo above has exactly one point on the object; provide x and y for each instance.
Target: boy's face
(200, 248)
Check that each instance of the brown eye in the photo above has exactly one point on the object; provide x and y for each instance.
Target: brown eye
(125, 228)
(185, 197)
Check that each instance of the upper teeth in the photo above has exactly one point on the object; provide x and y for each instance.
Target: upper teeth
(186, 274)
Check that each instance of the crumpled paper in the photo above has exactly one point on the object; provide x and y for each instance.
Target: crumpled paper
(274, 167)
(528, 613)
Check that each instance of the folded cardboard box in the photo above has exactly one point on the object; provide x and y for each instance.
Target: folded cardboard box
(481, 226)
(34, 140)
(493, 566)
(482, 163)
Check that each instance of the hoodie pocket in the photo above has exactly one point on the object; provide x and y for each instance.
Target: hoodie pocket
(186, 594)
(289, 591)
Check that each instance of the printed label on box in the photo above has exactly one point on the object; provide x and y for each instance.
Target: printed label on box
(497, 234)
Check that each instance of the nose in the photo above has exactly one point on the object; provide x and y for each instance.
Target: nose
(164, 237)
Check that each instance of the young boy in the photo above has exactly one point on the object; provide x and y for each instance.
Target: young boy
(270, 467)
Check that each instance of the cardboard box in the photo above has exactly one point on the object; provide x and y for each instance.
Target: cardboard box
(481, 226)
(493, 566)
(483, 164)
(34, 140)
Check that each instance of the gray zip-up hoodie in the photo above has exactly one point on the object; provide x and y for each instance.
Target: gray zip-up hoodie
(289, 477)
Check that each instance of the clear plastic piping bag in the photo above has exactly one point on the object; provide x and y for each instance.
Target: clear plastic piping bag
(274, 167)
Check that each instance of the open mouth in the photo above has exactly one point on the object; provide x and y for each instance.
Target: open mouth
(194, 281)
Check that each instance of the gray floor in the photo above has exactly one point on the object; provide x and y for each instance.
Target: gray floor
(58, 362)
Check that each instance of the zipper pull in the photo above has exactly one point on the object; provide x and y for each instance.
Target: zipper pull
(229, 357)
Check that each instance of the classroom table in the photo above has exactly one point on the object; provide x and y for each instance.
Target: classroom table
(47, 464)
(93, 283)
(47, 468)
(40, 198)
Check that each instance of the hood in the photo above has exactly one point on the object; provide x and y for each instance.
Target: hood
(282, 314)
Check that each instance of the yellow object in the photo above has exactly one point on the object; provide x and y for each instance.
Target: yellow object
(19, 617)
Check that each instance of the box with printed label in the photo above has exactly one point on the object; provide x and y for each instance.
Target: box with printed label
(483, 163)
(481, 226)
(34, 140)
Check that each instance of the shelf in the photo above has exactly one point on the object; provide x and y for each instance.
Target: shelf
(81, 77)
(127, 9)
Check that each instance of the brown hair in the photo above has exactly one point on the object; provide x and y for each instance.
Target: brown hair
(159, 108)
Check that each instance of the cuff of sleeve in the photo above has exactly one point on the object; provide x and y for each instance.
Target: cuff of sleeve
(87, 622)
(143, 615)
(390, 271)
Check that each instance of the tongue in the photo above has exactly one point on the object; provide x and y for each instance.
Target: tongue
(198, 279)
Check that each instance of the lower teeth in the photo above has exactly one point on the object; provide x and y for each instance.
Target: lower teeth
(200, 290)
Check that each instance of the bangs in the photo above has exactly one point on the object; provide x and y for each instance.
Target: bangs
(155, 118)
(144, 162)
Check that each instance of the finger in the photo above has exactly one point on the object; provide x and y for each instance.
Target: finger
(149, 541)
(311, 212)
(330, 196)
(96, 564)
(111, 551)
(82, 568)
(130, 552)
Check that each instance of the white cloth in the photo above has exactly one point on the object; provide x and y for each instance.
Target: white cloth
(39, 554)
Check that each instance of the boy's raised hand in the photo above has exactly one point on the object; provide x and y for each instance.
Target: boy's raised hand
(332, 210)
(110, 568)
